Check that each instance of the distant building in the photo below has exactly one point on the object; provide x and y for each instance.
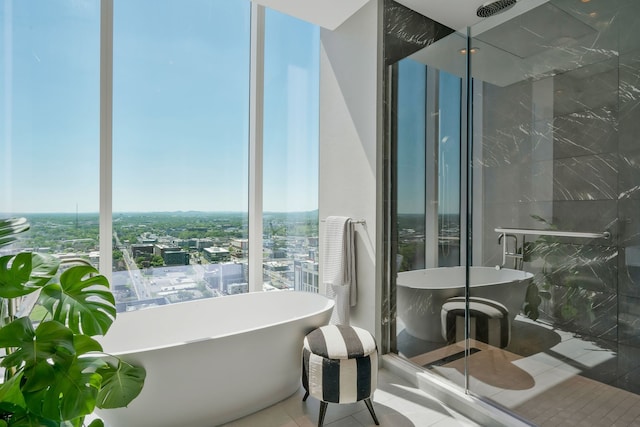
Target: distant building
(278, 253)
(94, 258)
(221, 276)
(215, 254)
(141, 249)
(238, 288)
(179, 257)
(161, 249)
(239, 248)
(305, 277)
(201, 244)
(275, 266)
(171, 255)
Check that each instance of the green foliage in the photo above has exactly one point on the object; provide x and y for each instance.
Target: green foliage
(56, 373)
(532, 302)
(577, 301)
(10, 228)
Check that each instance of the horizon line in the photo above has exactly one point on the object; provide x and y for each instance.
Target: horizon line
(13, 214)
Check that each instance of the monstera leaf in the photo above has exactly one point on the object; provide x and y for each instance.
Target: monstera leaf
(121, 383)
(56, 373)
(25, 273)
(82, 301)
(11, 398)
(50, 341)
(73, 392)
(10, 227)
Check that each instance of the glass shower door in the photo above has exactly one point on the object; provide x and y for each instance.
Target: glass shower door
(427, 141)
(555, 235)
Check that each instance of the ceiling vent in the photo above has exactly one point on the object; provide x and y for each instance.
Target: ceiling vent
(491, 8)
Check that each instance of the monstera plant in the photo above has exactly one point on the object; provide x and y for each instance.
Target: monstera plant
(55, 372)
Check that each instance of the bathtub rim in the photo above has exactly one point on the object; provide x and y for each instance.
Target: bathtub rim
(525, 276)
(328, 306)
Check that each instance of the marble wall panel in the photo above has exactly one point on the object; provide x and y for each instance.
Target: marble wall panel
(589, 313)
(505, 146)
(592, 268)
(630, 101)
(629, 238)
(541, 182)
(628, 368)
(508, 105)
(406, 31)
(628, 277)
(586, 178)
(629, 178)
(629, 213)
(590, 87)
(504, 184)
(629, 314)
(628, 17)
(585, 132)
(589, 216)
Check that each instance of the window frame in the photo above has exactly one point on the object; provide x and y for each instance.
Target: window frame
(255, 143)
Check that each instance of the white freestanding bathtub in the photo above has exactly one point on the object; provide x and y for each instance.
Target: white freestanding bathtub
(421, 293)
(212, 361)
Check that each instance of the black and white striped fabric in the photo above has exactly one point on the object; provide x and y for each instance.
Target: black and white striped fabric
(340, 364)
(488, 321)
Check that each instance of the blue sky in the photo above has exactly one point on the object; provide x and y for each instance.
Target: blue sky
(180, 117)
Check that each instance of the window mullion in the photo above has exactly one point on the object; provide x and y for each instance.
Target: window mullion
(106, 128)
(256, 104)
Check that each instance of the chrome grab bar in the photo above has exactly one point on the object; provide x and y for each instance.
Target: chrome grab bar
(519, 256)
(527, 231)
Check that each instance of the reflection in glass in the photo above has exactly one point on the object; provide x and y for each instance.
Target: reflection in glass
(427, 140)
(554, 319)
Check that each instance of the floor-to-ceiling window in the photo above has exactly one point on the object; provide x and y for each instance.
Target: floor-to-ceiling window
(49, 122)
(178, 147)
(290, 192)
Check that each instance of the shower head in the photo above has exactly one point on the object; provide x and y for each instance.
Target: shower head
(494, 7)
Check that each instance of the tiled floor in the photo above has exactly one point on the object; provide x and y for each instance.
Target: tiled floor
(544, 384)
(397, 404)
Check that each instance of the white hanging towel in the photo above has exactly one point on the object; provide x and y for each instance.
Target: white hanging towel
(339, 267)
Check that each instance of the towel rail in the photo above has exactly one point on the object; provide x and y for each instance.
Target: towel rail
(527, 231)
(355, 221)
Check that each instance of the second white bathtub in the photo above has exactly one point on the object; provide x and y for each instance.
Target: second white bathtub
(421, 293)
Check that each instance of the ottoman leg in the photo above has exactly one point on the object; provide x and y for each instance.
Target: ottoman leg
(323, 410)
(367, 402)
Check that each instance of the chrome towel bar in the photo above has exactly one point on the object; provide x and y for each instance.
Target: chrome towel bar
(579, 234)
(355, 221)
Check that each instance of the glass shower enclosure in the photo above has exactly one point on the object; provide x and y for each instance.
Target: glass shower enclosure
(515, 193)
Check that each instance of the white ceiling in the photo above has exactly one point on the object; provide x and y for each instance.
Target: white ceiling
(328, 14)
(456, 14)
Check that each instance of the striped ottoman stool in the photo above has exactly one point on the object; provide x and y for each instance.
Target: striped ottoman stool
(488, 321)
(340, 365)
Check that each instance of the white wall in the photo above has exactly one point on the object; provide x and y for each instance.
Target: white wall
(350, 146)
